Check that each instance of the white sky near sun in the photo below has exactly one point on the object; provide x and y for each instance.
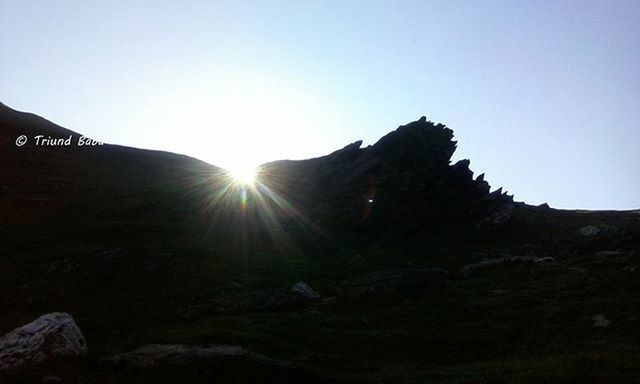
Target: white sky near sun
(260, 121)
(544, 97)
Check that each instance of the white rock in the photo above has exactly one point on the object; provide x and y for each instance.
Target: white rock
(589, 230)
(610, 253)
(545, 260)
(302, 289)
(52, 335)
(600, 320)
(499, 261)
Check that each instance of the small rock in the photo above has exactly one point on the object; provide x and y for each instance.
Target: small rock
(50, 379)
(486, 263)
(545, 260)
(589, 231)
(305, 291)
(610, 253)
(600, 320)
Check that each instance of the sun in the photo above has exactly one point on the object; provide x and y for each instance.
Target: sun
(243, 175)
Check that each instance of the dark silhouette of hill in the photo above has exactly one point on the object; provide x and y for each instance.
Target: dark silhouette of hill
(56, 181)
(404, 180)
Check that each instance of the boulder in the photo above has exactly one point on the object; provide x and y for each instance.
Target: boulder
(50, 336)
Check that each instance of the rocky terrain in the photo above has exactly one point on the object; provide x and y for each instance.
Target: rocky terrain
(378, 264)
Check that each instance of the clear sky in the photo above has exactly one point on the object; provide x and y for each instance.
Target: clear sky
(543, 96)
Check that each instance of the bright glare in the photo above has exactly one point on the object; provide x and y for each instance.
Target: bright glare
(241, 121)
(243, 175)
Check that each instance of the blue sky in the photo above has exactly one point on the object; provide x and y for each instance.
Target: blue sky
(543, 96)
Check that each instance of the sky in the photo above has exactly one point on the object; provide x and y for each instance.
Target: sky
(543, 96)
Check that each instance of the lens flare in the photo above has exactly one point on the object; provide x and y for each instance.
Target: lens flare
(250, 201)
(243, 198)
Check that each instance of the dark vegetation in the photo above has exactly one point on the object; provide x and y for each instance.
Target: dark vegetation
(146, 247)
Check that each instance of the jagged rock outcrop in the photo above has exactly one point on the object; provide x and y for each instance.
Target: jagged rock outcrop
(404, 180)
(50, 336)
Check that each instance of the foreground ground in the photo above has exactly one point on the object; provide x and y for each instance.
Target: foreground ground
(575, 320)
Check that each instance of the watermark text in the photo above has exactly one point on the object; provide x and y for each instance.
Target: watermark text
(49, 141)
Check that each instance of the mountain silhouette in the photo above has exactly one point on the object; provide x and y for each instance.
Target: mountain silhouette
(404, 180)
